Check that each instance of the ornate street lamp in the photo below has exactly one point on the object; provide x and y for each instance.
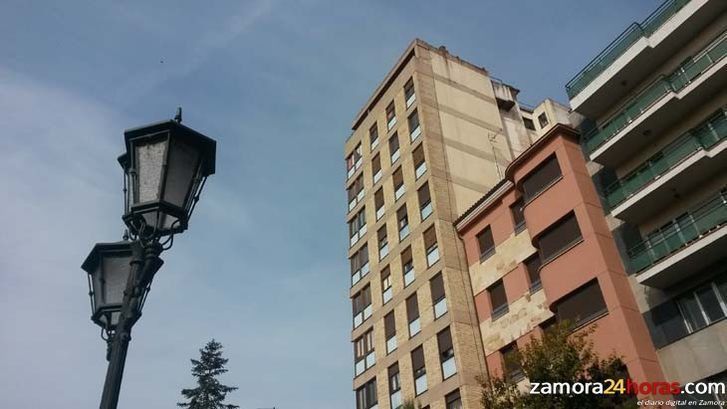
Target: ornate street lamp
(165, 167)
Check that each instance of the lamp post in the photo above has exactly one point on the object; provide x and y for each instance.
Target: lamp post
(165, 167)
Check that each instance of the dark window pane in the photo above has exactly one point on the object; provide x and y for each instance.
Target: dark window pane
(394, 380)
(373, 133)
(424, 197)
(418, 156)
(389, 325)
(517, 214)
(376, 164)
(430, 238)
(558, 237)
(541, 177)
(379, 198)
(486, 243)
(412, 308)
(533, 266)
(581, 305)
(437, 287)
(692, 312)
(498, 298)
(444, 341)
(710, 304)
(453, 400)
(417, 361)
(510, 361)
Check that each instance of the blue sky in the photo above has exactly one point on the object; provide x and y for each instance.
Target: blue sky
(263, 266)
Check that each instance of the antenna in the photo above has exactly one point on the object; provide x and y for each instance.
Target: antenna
(178, 116)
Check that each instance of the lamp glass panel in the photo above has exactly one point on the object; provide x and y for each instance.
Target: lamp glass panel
(182, 167)
(115, 273)
(149, 160)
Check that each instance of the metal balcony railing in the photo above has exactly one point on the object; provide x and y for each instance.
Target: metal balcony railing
(622, 43)
(702, 137)
(680, 233)
(664, 85)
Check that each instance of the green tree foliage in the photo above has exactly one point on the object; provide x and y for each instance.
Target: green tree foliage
(209, 393)
(559, 356)
(410, 404)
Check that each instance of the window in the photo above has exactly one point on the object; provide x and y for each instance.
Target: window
(374, 136)
(414, 128)
(582, 305)
(420, 166)
(379, 203)
(412, 315)
(395, 386)
(529, 123)
(486, 243)
(398, 180)
(543, 120)
(425, 201)
(430, 244)
(704, 305)
(357, 226)
(498, 299)
(439, 301)
(420, 370)
(355, 193)
(360, 264)
(453, 400)
(407, 266)
(518, 217)
(390, 332)
(363, 351)
(510, 362)
(559, 237)
(354, 161)
(394, 148)
(532, 265)
(366, 395)
(409, 94)
(383, 242)
(446, 353)
(361, 306)
(386, 290)
(376, 168)
(403, 222)
(541, 178)
(390, 116)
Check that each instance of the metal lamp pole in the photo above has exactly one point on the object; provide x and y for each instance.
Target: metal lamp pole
(165, 168)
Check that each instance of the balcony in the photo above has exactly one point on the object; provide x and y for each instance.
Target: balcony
(663, 102)
(638, 52)
(691, 158)
(688, 244)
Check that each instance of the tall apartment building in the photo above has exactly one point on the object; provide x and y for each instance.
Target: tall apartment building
(539, 251)
(433, 138)
(657, 101)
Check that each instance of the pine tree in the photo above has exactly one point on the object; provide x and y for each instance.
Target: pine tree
(209, 393)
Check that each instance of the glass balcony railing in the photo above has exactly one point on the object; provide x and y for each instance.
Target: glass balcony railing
(622, 43)
(680, 233)
(702, 137)
(664, 85)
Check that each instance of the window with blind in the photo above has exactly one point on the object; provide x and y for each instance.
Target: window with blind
(511, 363)
(498, 299)
(387, 291)
(360, 264)
(376, 171)
(361, 306)
(518, 217)
(394, 379)
(379, 203)
(398, 180)
(453, 400)
(420, 166)
(390, 115)
(407, 266)
(439, 301)
(414, 129)
(394, 148)
(446, 353)
(419, 370)
(412, 315)
(366, 395)
(541, 178)
(409, 94)
(532, 265)
(582, 305)
(374, 135)
(430, 244)
(390, 332)
(486, 243)
(383, 242)
(562, 235)
(403, 221)
(425, 201)
(363, 350)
